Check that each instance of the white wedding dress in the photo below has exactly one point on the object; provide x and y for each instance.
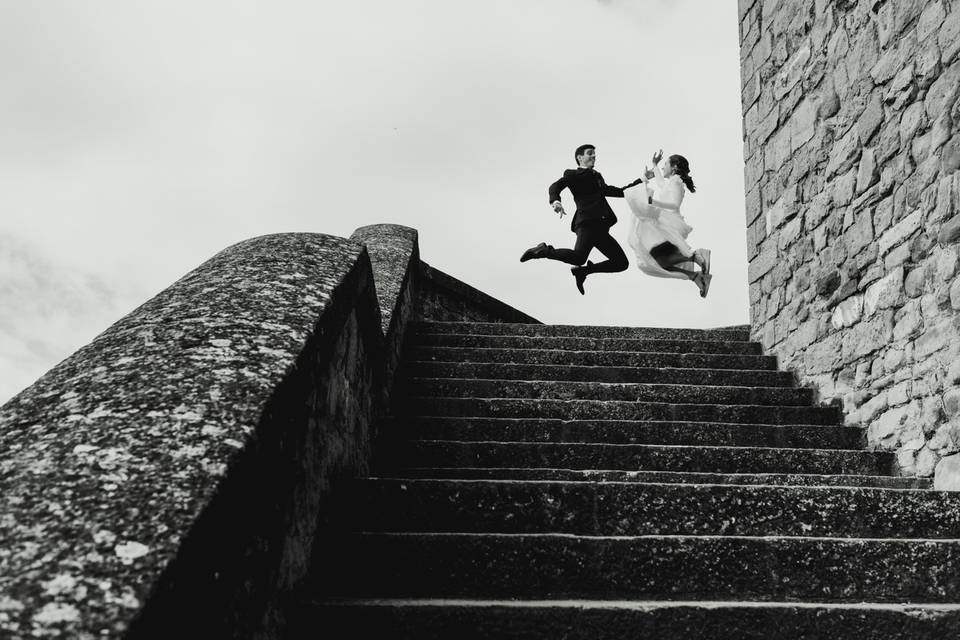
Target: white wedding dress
(658, 223)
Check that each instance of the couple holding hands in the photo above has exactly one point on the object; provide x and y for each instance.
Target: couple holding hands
(658, 233)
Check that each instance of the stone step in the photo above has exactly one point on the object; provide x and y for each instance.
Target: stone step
(592, 358)
(454, 565)
(640, 457)
(633, 509)
(633, 432)
(561, 372)
(637, 392)
(673, 477)
(586, 344)
(739, 334)
(618, 410)
(433, 619)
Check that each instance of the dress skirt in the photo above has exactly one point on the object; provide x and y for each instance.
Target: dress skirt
(651, 226)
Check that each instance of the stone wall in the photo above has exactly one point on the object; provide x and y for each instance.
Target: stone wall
(173, 477)
(443, 298)
(166, 479)
(852, 145)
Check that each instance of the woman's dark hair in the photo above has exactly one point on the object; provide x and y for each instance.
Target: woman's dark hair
(580, 151)
(682, 168)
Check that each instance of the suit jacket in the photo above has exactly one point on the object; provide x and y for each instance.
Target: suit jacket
(590, 193)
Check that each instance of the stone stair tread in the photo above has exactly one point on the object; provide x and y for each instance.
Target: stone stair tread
(629, 508)
(742, 347)
(595, 373)
(632, 431)
(590, 619)
(422, 453)
(616, 475)
(584, 603)
(505, 328)
(581, 409)
(596, 390)
(669, 567)
(604, 358)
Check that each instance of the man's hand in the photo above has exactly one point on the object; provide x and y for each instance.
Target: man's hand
(557, 207)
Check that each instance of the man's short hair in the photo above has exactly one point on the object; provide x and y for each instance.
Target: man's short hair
(580, 150)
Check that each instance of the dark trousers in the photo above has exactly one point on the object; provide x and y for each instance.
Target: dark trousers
(593, 236)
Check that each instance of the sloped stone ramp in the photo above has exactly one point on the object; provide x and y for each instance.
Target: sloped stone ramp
(607, 482)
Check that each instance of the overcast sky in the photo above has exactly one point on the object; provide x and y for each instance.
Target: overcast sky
(137, 139)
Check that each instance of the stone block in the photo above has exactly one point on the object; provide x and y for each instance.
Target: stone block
(930, 20)
(913, 283)
(951, 402)
(908, 322)
(933, 339)
(946, 263)
(899, 393)
(824, 355)
(844, 153)
(764, 262)
(847, 312)
(898, 256)
(955, 295)
(767, 125)
(885, 293)
(803, 123)
(912, 119)
(791, 73)
(860, 232)
(870, 119)
(903, 78)
(944, 90)
(940, 132)
(844, 188)
(949, 37)
(900, 232)
(928, 65)
(867, 336)
(790, 232)
(828, 283)
(887, 66)
(946, 476)
(950, 231)
(893, 18)
(950, 157)
(895, 426)
(753, 203)
(867, 174)
(926, 463)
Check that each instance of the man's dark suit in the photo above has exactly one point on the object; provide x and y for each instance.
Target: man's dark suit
(590, 193)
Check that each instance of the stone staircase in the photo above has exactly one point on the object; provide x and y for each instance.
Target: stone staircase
(608, 482)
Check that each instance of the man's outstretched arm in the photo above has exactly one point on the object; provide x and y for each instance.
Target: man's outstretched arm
(556, 188)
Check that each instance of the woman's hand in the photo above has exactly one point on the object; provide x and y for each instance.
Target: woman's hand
(648, 174)
(658, 156)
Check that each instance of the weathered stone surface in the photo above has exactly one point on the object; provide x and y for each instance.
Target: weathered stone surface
(943, 91)
(877, 169)
(949, 37)
(844, 153)
(867, 336)
(955, 295)
(947, 474)
(138, 438)
(867, 174)
(951, 156)
(884, 293)
(847, 312)
(900, 232)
